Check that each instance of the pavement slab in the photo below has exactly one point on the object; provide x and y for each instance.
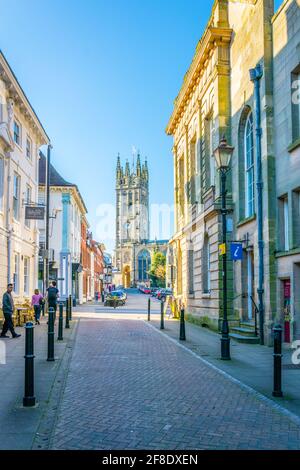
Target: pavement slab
(130, 387)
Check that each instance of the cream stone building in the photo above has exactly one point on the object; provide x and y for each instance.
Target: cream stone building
(217, 97)
(200, 118)
(21, 136)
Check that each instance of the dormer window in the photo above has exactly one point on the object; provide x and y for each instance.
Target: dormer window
(17, 133)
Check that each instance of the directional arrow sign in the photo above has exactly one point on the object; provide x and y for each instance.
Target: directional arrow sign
(236, 251)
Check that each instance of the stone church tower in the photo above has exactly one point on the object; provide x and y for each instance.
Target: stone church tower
(132, 206)
(133, 248)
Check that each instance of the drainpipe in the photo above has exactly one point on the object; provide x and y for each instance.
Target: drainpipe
(255, 76)
(46, 260)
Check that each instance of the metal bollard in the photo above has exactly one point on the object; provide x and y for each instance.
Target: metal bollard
(43, 309)
(162, 323)
(149, 309)
(70, 307)
(29, 398)
(277, 392)
(50, 357)
(102, 296)
(67, 315)
(182, 326)
(60, 322)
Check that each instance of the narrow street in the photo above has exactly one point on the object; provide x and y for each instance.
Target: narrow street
(128, 386)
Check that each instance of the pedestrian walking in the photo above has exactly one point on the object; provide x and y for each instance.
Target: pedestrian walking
(37, 303)
(52, 296)
(8, 310)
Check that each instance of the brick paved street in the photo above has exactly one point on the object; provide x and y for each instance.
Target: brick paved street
(130, 387)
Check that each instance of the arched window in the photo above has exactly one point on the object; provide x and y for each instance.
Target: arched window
(249, 166)
(144, 263)
(206, 265)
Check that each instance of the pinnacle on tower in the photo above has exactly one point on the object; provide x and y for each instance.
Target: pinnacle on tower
(138, 166)
(127, 169)
(145, 170)
(119, 168)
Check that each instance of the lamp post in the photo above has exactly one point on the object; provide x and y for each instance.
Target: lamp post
(223, 155)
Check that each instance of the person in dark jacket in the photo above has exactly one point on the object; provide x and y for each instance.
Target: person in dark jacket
(8, 310)
(52, 295)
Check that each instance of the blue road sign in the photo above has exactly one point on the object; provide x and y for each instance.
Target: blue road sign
(236, 251)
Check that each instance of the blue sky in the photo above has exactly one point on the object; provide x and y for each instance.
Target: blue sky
(102, 77)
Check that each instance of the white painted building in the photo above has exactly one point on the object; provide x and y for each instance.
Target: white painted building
(21, 136)
(66, 211)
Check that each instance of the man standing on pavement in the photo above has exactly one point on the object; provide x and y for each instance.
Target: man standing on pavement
(52, 292)
(8, 310)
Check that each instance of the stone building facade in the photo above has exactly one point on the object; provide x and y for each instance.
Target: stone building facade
(67, 209)
(286, 64)
(217, 97)
(133, 248)
(21, 136)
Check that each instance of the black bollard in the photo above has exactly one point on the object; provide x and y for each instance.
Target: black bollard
(61, 322)
(277, 392)
(29, 398)
(67, 314)
(102, 296)
(50, 357)
(70, 307)
(162, 323)
(43, 308)
(149, 309)
(182, 326)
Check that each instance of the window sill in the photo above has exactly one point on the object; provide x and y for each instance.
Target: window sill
(18, 146)
(246, 221)
(294, 145)
(282, 254)
(206, 295)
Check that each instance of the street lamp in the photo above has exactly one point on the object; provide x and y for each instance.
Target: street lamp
(223, 155)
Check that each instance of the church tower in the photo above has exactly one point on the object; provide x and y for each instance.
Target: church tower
(132, 204)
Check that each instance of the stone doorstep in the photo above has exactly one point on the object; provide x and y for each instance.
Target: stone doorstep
(244, 339)
(248, 332)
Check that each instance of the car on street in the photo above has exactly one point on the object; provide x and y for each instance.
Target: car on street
(154, 291)
(115, 298)
(163, 294)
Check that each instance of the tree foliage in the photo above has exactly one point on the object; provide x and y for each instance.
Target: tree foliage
(157, 272)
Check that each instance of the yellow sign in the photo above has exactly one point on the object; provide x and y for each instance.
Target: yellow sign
(222, 249)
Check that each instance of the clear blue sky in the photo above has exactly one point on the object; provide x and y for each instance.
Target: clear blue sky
(102, 77)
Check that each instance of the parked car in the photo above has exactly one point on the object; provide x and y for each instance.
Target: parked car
(154, 291)
(164, 293)
(115, 299)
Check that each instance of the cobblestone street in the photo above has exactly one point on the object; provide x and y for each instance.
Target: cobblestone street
(130, 387)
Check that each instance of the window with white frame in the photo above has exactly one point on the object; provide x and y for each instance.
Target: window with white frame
(17, 133)
(28, 201)
(249, 167)
(26, 275)
(209, 155)
(1, 182)
(206, 265)
(296, 103)
(28, 148)
(16, 274)
(16, 197)
(286, 223)
(283, 223)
